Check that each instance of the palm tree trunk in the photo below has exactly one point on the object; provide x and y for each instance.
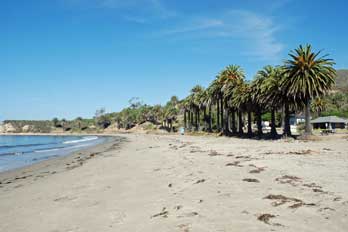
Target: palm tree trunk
(240, 122)
(283, 117)
(205, 119)
(250, 131)
(259, 122)
(222, 114)
(218, 116)
(210, 119)
(198, 120)
(191, 120)
(185, 119)
(234, 129)
(273, 126)
(226, 123)
(308, 128)
(287, 129)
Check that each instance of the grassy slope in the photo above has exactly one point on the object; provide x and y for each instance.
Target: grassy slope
(342, 79)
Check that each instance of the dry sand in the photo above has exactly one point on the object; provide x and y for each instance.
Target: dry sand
(182, 183)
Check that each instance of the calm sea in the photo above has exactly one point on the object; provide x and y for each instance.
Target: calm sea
(19, 151)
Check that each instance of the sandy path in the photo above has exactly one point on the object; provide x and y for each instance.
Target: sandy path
(176, 183)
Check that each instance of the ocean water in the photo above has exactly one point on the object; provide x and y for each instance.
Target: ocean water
(20, 151)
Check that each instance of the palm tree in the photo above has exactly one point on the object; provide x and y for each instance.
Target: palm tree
(257, 97)
(270, 94)
(229, 77)
(309, 76)
(241, 100)
(195, 103)
(197, 92)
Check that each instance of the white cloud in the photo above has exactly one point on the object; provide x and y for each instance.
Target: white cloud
(257, 33)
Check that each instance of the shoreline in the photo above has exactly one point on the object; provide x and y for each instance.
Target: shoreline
(58, 164)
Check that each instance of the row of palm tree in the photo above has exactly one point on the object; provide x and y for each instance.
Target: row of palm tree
(287, 88)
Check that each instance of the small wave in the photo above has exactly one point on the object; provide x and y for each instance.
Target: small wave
(46, 150)
(6, 154)
(84, 139)
(82, 145)
(25, 145)
(11, 153)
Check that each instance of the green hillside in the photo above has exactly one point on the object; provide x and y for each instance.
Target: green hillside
(342, 79)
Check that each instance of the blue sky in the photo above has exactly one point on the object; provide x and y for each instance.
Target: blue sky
(67, 58)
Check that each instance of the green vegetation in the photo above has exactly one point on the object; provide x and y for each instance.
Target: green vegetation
(230, 105)
(342, 80)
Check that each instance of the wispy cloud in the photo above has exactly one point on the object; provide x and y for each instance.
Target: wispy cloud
(137, 11)
(257, 33)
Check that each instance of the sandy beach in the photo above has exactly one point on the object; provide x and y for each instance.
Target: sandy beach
(183, 183)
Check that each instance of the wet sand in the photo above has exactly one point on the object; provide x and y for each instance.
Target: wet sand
(183, 183)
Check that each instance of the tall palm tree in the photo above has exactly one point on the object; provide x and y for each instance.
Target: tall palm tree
(309, 76)
(195, 104)
(270, 95)
(230, 77)
(241, 100)
(215, 92)
(258, 98)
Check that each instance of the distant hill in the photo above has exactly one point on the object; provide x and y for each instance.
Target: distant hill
(342, 79)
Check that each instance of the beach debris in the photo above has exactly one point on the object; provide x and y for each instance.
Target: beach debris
(164, 213)
(257, 170)
(170, 185)
(178, 207)
(337, 199)
(318, 190)
(265, 218)
(300, 204)
(279, 200)
(312, 185)
(287, 179)
(315, 188)
(243, 157)
(200, 181)
(235, 163)
(302, 152)
(251, 180)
